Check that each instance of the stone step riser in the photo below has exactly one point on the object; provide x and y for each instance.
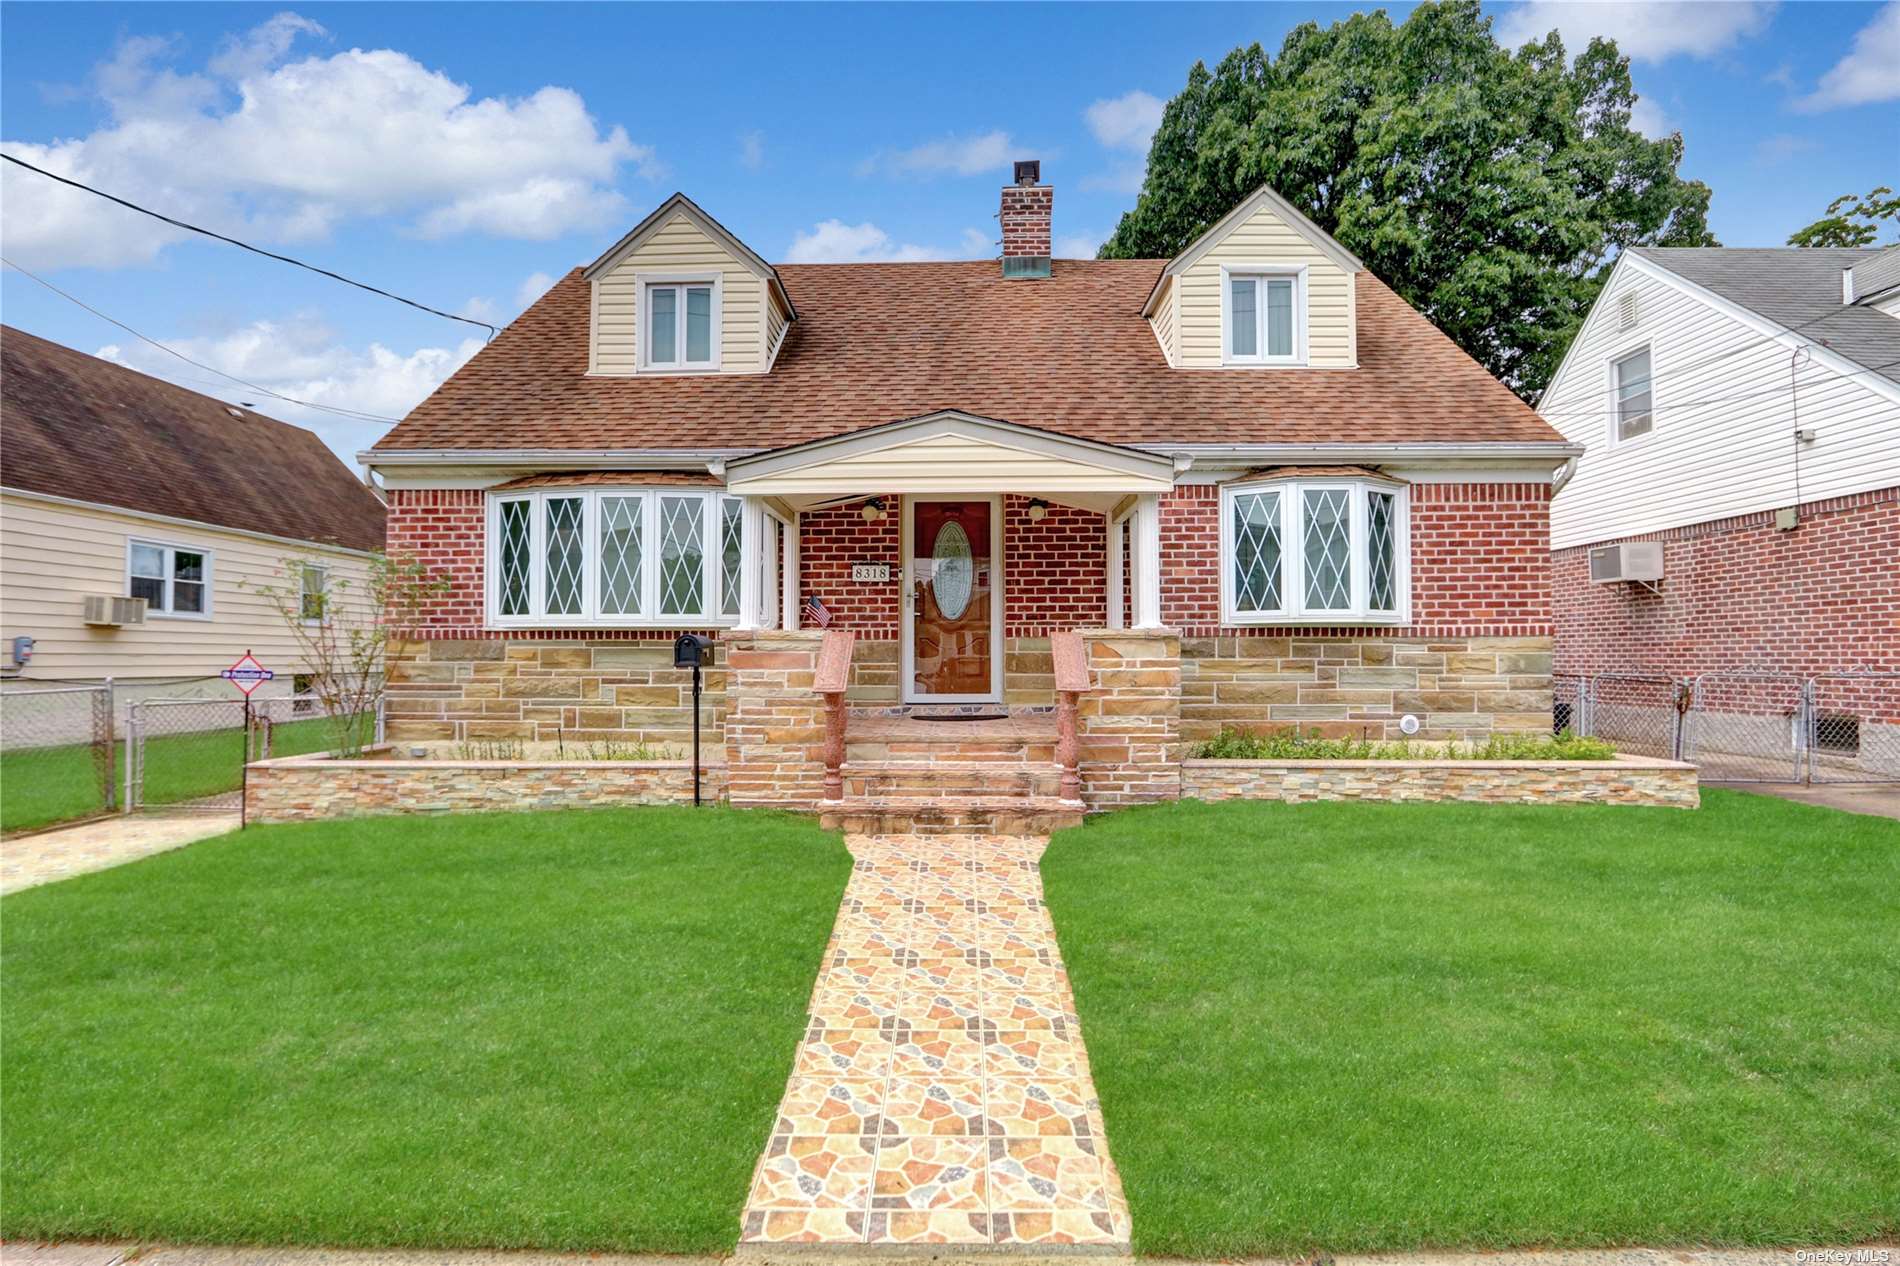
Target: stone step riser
(1020, 751)
(923, 780)
(923, 820)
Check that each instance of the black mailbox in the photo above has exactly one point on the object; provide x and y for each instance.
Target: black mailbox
(692, 650)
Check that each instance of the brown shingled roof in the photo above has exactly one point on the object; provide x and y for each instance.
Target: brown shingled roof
(72, 425)
(876, 343)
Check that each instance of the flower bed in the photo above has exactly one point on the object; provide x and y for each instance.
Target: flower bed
(1640, 780)
(383, 782)
(1292, 745)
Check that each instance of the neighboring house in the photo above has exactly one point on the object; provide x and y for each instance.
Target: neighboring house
(1740, 409)
(1255, 456)
(115, 485)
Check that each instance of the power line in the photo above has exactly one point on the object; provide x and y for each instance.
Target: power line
(256, 250)
(1610, 410)
(275, 395)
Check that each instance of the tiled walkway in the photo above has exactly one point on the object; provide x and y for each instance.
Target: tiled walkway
(26, 860)
(941, 1094)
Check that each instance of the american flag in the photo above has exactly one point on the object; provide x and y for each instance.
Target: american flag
(816, 612)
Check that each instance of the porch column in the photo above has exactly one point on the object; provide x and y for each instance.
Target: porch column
(1117, 564)
(752, 536)
(788, 574)
(1147, 569)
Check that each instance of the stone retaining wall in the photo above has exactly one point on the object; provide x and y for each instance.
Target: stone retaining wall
(307, 788)
(1638, 780)
(775, 723)
(1130, 718)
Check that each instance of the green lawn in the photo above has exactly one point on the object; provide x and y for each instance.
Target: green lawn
(1366, 1027)
(43, 785)
(557, 1030)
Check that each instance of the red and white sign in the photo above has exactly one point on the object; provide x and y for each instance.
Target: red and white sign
(247, 674)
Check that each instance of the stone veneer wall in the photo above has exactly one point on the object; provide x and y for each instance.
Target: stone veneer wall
(1129, 722)
(775, 724)
(519, 688)
(297, 789)
(1359, 685)
(1631, 780)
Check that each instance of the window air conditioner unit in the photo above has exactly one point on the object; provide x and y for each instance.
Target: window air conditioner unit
(106, 611)
(1631, 560)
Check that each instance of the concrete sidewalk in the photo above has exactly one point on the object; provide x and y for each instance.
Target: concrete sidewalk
(1880, 799)
(23, 1253)
(40, 858)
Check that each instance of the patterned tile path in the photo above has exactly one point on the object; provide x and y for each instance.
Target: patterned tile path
(27, 860)
(941, 1094)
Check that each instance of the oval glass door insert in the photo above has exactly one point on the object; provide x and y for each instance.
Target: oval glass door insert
(953, 571)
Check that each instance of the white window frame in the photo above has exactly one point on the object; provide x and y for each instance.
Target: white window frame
(1263, 273)
(171, 567)
(1293, 609)
(1613, 372)
(645, 282)
(323, 592)
(590, 616)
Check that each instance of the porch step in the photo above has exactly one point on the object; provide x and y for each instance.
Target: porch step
(935, 779)
(965, 815)
(876, 740)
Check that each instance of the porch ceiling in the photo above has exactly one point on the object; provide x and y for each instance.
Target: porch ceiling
(952, 453)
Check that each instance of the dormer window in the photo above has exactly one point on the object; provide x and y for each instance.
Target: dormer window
(679, 323)
(1263, 315)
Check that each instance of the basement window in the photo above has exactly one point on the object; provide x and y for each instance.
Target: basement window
(612, 557)
(1315, 551)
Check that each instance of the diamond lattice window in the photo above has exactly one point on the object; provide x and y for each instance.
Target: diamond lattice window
(564, 551)
(515, 520)
(682, 556)
(622, 524)
(1256, 535)
(731, 510)
(1380, 512)
(1328, 541)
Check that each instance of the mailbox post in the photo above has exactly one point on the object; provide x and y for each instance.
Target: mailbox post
(694, 651)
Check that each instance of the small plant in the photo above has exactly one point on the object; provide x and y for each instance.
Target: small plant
(609, 749)
(1291, 744)
(489, 749)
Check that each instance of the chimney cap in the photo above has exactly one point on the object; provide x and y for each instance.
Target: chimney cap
(1028, 171)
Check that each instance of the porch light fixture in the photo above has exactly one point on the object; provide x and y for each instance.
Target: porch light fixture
(873, 510)
(1038, 509)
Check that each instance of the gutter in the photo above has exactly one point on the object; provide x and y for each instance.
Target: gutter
(1266, 454)
(553, 458)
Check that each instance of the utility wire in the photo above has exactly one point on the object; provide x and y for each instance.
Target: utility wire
(1611, 410)
(275, 395)
(256, 250)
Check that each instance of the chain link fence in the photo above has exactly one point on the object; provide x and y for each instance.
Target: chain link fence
(1743, 726)
(58, 754)
(188, 755)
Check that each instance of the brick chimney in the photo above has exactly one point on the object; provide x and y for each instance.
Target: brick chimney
(1027, 208)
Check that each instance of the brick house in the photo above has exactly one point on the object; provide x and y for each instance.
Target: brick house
(1739, 415)
(1268, 492)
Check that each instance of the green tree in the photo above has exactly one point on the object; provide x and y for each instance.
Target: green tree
(1851, 220)
(1491, 189)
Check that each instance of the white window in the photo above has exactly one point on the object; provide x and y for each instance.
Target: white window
(613, 558)
(1263, 315)
(1329, 551)
(1629, 383)
(679, 323)
(173, 579)
(313, 592)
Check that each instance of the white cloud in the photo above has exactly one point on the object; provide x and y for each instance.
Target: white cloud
(752, 150)
(480, 308)
(1644, 30)
(1078, 245)
(1125, 122)
(1121, 178)
(302, 357)
(835, 242)
(1648, 118)
(288, 152)
(959, 156)
(1869, 73)
(1779, 148)
(533, 286)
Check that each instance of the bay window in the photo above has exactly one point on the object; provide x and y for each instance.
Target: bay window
(613, 557)
(1263, 315)
(1314, 550)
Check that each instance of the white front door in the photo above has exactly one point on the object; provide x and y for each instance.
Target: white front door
(952, 622)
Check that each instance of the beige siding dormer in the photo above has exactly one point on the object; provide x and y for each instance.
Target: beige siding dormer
(1266, 235)
(681, 245)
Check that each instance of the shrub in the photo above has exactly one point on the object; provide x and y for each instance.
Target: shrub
(1293, 745)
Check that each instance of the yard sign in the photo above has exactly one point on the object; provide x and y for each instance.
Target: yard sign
(247, 674)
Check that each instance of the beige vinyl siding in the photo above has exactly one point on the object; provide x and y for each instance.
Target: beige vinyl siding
(1722, 442)
(947, 463)
(679, 246)
(1163, 321)
(1265, 238)
(53, 555)
(777, 319)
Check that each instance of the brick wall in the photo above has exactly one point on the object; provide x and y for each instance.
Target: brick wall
(1054, 570)
(1480, 562)
(1738, 593)
(442, 528)
(1026, 219)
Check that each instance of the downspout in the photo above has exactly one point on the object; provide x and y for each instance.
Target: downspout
(1563, 476)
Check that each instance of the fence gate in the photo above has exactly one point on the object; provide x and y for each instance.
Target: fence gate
(1641, 713)
(1748, 727)
(185, 755)
(1853, 728)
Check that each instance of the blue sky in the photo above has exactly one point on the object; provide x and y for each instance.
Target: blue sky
(463, 155)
